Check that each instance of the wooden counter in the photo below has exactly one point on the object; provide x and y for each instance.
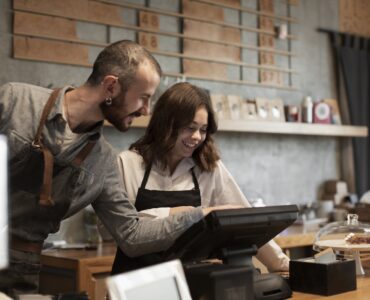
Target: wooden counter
(77, 270)
(297, 236)
(362, 292)
(85, 270)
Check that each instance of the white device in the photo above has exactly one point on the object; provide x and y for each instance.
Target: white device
(165, 281)
(4, 230)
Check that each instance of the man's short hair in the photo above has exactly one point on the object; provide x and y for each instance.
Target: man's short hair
(121, 59)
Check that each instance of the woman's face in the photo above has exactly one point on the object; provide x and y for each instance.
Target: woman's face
(191, 136)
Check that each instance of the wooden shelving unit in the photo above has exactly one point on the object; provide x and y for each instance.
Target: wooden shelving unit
(281, 128)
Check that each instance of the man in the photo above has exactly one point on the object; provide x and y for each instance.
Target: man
(60, 162)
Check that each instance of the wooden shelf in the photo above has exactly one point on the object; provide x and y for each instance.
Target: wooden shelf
(281, 128)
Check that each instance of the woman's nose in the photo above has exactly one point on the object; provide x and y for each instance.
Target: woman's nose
(196, 135)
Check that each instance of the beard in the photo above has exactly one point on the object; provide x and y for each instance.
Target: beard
(113, 113)
(117, 121)
(116, 115)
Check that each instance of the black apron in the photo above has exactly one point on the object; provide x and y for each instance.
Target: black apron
(147, 199)
(34, 176)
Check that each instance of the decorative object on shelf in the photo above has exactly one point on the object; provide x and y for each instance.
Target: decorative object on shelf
(249, 110)
(276, 110)
(321, 113)
(220, 106)
(262, 108)
(334, 109)
(307, 110)
(270, 109)
(292, 113)
(234, 103)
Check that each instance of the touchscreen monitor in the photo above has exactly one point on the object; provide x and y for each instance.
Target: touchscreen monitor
(232, 229)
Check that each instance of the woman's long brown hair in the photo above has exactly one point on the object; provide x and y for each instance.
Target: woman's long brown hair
(174, 110)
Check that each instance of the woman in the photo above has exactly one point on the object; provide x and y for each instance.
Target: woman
(176, 165)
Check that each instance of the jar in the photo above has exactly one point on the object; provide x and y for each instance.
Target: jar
(307, 109)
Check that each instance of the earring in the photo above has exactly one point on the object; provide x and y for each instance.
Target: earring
(108, 101)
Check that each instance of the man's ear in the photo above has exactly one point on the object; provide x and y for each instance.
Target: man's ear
(111, 86)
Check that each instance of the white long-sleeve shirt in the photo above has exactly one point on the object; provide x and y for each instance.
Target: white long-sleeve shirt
(216, 188)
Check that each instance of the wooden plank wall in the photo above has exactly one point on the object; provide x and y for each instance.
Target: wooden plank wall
(354, 17)
(206, 49)
(46, 30)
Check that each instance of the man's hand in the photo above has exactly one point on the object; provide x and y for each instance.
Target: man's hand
(207, 210)
(175, 210)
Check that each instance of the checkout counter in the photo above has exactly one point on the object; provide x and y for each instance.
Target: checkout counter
(86, 270)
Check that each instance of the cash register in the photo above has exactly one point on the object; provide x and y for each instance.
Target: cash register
(232, 237)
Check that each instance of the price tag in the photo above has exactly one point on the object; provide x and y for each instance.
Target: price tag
(149, 41)
(148, 20)
(267, 58)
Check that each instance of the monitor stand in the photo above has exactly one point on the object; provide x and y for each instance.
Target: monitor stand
(238, 257)
(236, 278)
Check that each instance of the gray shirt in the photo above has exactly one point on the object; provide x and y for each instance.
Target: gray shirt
(95, 182)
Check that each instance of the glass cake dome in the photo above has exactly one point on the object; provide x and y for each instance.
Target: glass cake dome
(348, 239)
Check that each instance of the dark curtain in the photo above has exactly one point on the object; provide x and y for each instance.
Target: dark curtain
(352, 60)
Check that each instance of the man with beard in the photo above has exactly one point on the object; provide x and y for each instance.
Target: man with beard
(60, 161)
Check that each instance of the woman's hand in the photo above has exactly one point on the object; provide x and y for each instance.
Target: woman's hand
(207, 210)
(175, 210)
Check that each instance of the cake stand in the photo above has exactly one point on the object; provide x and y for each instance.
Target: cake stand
(341, 245)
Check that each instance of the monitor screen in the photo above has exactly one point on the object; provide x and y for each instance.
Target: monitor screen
(232, 229)
(165, 289)
(165, 281)
(4, 254)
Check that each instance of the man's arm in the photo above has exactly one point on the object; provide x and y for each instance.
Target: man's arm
(6, 96)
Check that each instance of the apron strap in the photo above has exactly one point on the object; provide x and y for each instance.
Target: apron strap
(196, 185)
(146, 176)
(37, 142)
(80, 157)
(46, 188)
(45, 193)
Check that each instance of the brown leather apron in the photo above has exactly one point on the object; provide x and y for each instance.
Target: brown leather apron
(45, 198)
(45, 193)
(32, 172)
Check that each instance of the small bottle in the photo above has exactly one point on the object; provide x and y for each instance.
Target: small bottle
(307, 110)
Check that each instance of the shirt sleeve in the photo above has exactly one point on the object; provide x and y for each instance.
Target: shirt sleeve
(228, 192)
(129, 180)
(273, 257)
(6, 96)
(160, 212)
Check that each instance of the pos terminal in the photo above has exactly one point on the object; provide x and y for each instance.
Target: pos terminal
(232, 236)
